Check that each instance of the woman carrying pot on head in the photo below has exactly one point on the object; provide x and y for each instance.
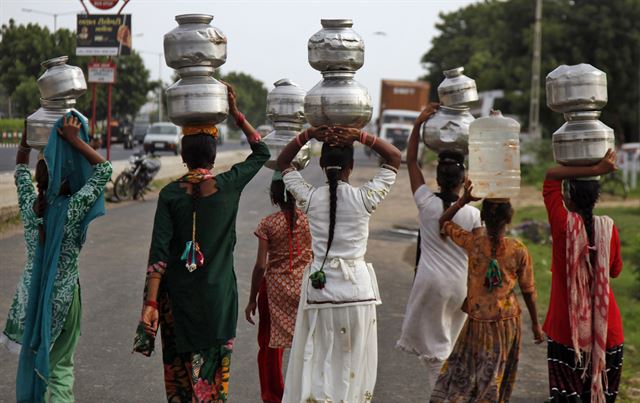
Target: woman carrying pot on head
(334, 355)
(45, 314)
(440, 282)
(191, 290)
(583, 324)
(284, 252)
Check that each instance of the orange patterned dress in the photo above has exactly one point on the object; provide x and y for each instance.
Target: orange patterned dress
(289, 255)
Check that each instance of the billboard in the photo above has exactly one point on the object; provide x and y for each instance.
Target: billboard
(103, 35)
(104, 4)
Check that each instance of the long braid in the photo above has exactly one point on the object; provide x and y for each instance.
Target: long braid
(40, 205)
(584, 194)
(333, 174)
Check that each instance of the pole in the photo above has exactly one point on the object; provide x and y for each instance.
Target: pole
(160, 89)
(93, 109)
(109, 122)
(534, 105)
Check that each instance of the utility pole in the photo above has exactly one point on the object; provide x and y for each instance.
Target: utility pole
(534, 105)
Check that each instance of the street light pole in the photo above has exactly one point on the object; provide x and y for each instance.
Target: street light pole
(534, 105)
(54, 15)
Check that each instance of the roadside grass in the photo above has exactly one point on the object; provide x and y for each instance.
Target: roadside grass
(626, 287)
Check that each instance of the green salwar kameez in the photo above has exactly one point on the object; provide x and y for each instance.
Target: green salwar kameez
(198, 310)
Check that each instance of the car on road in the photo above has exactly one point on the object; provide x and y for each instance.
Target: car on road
(120, 133)
(163, 136)
(139, 131)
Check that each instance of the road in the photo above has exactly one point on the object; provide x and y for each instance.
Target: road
(112, 274)
(8, 155)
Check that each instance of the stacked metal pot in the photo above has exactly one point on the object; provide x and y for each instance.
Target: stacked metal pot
(448, 128)
(60, 85)
(285, 109)
(195, 49)
(337, 51)
(579, 92)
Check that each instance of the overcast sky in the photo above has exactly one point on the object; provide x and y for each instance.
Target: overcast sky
(268, 39)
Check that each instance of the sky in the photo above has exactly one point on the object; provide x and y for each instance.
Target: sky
(268, 39)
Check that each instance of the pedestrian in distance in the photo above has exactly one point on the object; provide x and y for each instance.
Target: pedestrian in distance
(583, 323)
(483, 364)
(334, 356)
(440, 282)
(43, 323)
(191, 291)
(284, 253)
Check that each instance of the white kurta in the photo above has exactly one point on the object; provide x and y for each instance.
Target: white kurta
(334, 355)
(433, 317)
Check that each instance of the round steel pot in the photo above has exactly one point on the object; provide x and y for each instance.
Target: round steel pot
(338, 100)
(60, 80)
(448, 130)
(336, 46)
(583, 140)
(195, 43)
(197, 98)
(457, 90)
(40, 123)
(580, 87)
(286, 102)
(276, 141)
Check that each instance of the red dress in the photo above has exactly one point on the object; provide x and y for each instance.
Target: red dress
(556, 325)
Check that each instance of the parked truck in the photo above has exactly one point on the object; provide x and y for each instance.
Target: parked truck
(400, 104)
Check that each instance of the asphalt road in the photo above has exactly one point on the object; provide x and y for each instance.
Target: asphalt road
(8, 155)
(112, 267)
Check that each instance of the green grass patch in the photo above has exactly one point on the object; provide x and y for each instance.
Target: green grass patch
(626, 287)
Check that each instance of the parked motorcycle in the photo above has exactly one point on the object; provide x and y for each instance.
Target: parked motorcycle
(133, 182)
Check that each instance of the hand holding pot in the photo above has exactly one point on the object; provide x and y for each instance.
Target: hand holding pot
(608, 163)
(431, 109)
(342, 136)
(70, 129)
(232, 98)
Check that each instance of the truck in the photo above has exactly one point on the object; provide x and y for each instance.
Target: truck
(400, 104)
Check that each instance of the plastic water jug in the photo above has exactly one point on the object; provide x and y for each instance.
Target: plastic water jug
(494, 156)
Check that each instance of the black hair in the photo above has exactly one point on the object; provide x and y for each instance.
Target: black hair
(42, 183)
(199, 150)
(287, 204)
(334, 160)
(495, 215)
(584, 195)
(450, 175)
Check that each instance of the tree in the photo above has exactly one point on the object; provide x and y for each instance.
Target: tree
(493, 41)
(252, 97)
(24, 47)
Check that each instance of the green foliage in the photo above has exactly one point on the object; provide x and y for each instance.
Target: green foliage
(252, 97)
(493, 41)
(24, 47)
(542, 154)
(11, 125)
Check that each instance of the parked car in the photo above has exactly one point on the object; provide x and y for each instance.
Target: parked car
(139, 131)
(120, 133)
(163, 136)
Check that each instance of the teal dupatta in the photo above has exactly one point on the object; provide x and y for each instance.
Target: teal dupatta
(64, 163)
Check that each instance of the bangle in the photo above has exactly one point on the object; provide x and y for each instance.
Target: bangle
(375, 138)
(298, 141)
(306, 135)
(153, 304)
(239, 117)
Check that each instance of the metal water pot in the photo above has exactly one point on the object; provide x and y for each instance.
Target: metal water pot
(286, 102)
(448, 130)
(197, 98)
(457, 90)
(336, 46)
(338, 100)
(583, 140)
(195, 43)
(282, 134)
(60, 80)
(40, 123)
(580, 87)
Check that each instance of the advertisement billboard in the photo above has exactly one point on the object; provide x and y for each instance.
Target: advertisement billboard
(102, 73)
(103, 35)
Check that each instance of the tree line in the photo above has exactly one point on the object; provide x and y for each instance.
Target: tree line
(493, 41)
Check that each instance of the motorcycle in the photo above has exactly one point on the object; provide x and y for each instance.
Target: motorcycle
(133, 183)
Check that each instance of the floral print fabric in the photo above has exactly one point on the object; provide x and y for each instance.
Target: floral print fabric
(201, 376)
(289, 256)
(483, 364)
(515, 266)
(67, 276)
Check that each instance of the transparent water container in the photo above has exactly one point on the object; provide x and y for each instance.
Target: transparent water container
(494, 156)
